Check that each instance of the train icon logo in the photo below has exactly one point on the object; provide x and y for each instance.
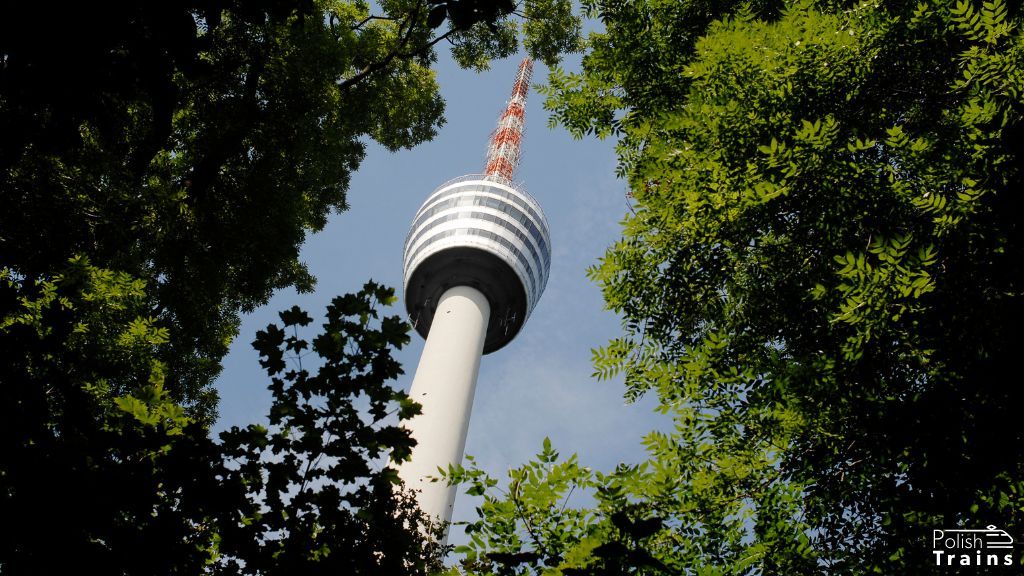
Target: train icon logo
(989, 546)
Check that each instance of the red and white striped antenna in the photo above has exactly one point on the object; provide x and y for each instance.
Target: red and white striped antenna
(504, 150)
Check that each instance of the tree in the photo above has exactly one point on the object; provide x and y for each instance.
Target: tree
(126, 483)
(88, 474)
(160, 166)
(821, 281)
(193, 145)
(318, 493)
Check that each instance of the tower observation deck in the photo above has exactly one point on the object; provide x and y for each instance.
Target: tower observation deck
(478, 231)
(476, 262)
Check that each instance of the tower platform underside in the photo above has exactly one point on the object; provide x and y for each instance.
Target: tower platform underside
(475, 267)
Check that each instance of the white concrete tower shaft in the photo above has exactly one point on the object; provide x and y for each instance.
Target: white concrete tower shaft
(444, 385)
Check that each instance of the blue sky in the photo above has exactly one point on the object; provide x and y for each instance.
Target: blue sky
(538, 386)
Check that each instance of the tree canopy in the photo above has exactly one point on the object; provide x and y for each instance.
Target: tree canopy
(193, 145)
(820, 280)
(160, 166)
(127, 483)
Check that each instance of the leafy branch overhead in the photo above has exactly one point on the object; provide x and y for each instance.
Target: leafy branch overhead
(194, 145)
(463, 14)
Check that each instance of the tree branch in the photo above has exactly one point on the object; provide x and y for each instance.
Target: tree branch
(368, 19)
(230, 140)
(537, 544)
(395, 53)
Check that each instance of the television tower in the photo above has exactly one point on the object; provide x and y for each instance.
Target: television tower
(476, 262)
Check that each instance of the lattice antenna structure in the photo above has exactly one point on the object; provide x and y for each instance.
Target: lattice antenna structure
(504, 150)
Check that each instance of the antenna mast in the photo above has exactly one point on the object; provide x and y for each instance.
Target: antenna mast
(504, 150)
